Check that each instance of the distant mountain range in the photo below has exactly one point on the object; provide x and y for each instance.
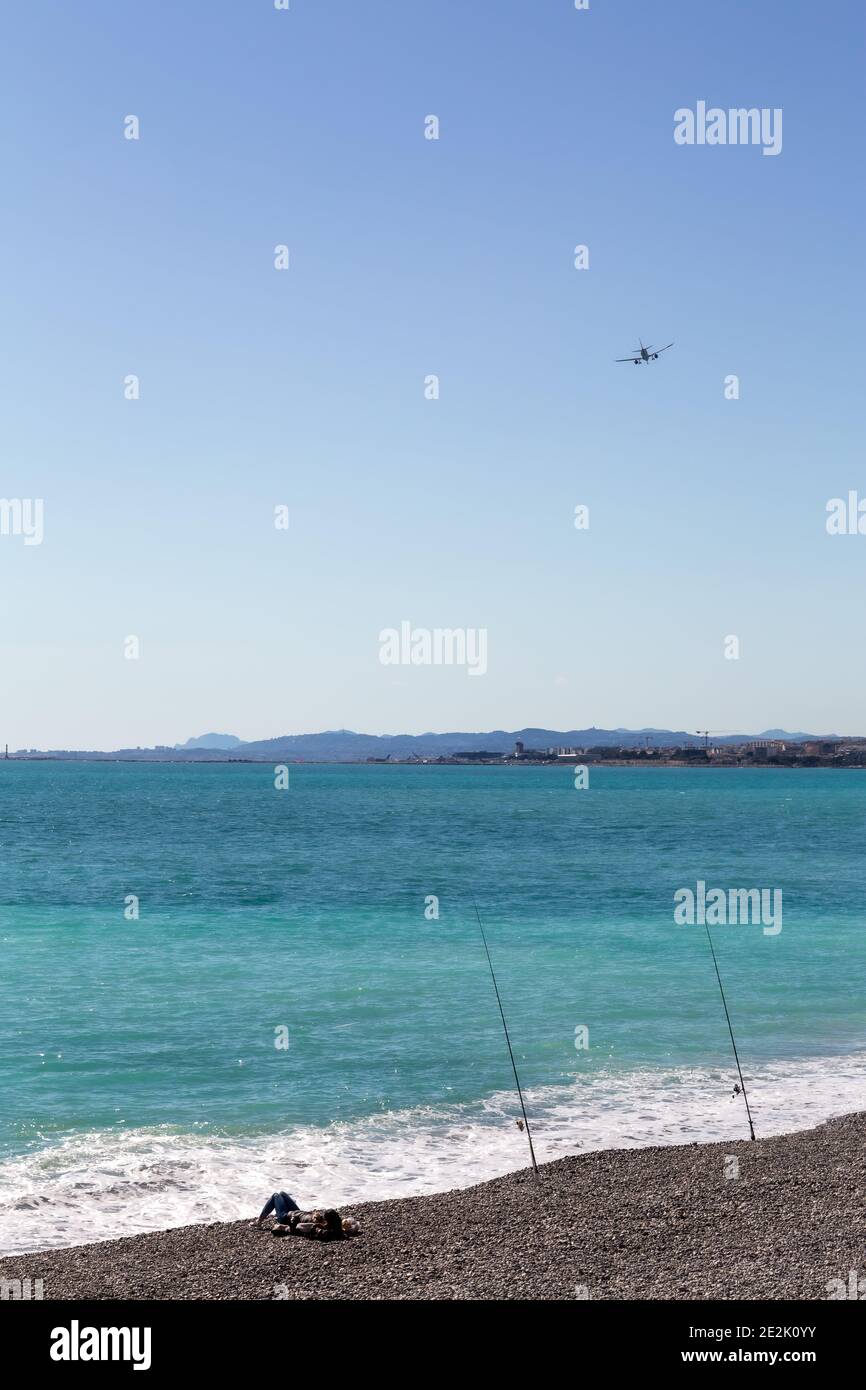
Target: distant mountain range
(335, 745)
(343, 745)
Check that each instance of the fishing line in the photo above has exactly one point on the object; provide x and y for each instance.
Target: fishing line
(508, 1040)
(731, 1031)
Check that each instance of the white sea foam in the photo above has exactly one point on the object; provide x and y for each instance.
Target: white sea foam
(97, 1186)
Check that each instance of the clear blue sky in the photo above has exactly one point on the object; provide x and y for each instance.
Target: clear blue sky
(410, 257)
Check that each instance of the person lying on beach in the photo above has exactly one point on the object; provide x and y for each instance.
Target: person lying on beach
(315, 1225)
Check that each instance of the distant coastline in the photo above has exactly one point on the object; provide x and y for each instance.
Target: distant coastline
(530, 746)
(852, 762)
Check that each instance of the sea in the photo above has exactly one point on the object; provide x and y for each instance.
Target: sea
(219, 980)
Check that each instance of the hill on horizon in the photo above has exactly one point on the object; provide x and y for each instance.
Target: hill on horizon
(223, 741)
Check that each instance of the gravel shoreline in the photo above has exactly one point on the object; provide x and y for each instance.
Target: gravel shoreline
(656, 1223)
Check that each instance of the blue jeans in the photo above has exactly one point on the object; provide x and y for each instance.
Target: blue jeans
(280, 1203)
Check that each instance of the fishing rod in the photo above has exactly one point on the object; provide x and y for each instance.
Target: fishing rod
(731, 1031)
(508, 1040)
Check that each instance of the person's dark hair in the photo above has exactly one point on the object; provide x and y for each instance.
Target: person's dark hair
(333, 1220)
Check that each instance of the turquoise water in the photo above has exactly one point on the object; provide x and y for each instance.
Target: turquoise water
(139, 1057)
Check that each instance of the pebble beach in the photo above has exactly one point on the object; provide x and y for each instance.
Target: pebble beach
(779, 1218)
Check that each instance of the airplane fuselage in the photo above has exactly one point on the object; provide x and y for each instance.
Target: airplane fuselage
(644, 354)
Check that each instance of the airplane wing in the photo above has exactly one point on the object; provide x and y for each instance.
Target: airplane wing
(664, 349)
(630, 359)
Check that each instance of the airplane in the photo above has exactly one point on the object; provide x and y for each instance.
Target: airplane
(643, 354)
